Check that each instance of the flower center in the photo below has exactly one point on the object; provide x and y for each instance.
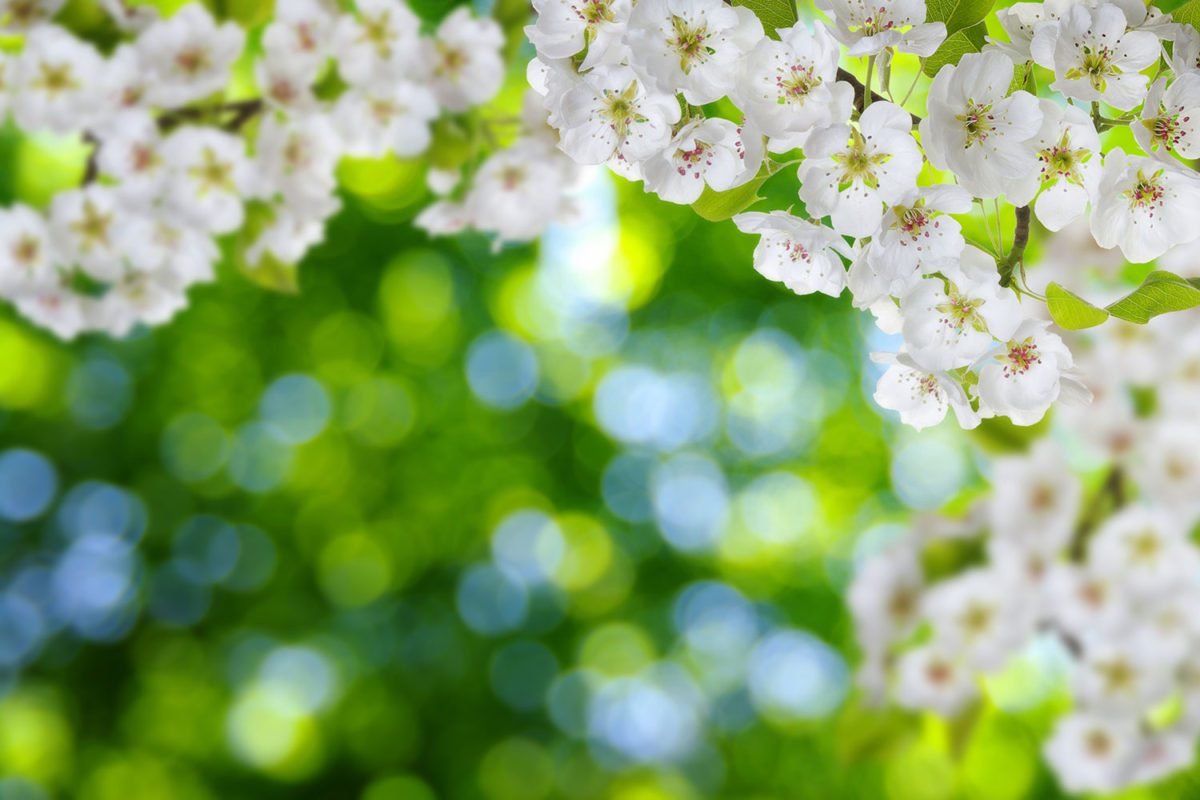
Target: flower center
(1147, 192)
(594, 12)
(451, 60)
(858, 164)
(978, 122)
(689, 42)
(55, 78)
(1165, 129)
(960, 311)
(795, 83)
(912, 220)
(213, 174)
(620, 109)
(512, 177)
(1098, 744)
(193, 60)
(1060, 161)
(876, 23)
(1096, 68)
(1020, 357)
(692, 159)
(797, 251)
(26, 251)
(1144, 547)
(92, 227)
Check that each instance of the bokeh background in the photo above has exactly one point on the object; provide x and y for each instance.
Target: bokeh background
(564, 521)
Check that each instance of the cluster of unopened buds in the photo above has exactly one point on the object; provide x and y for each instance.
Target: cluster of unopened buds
(178, 159)
(701, 102)
(1100, 570)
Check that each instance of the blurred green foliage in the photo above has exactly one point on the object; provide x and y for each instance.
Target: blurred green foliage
(270, 562)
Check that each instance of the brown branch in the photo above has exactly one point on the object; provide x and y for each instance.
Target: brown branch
(1020, 239)
(860, 93)
(243, 111)
(92, 171)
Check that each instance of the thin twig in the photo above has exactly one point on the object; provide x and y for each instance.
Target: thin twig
(860, 93)
(92, 171)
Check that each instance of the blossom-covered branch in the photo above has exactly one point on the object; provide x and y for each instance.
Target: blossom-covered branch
(177, 161)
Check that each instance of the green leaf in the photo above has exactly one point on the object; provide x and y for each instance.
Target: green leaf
(773, 14)
(1188, 13)
(1072, 312)
(1161, 293)
(720, 206)
(957, 14)
(957, 45)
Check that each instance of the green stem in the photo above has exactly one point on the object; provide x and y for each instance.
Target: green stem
(1020, 239)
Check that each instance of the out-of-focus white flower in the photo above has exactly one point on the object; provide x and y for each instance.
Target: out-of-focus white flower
(189, 56)
(930, 678)
(25, 15)
(1093, 753)
(464, 60)
(1035, 499)
(210, 175)
(379, 45)
(84, 223)
(395, 118)
(1144, 550)
(27, 260)
(57, 82)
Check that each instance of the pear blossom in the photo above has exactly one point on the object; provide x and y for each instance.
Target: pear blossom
(56, 82)
(286, 81)
(1068, 148)
(84, 224)
(132, 154)
(60, 311)
(1144, 207)
(850, 172)
(1185, 55)
(464, 61)
(188, 55)
(302, 30)
(395, 118)
(1170, 118)
(977, 130)
(27, 257)
(931, 678)
(381, 43)
(612, 113)
(209, 177)
(130, 15)
(1027, 375)
(704, 152)
(1093, 752)
(1019, 21)
(25, 15)
(691, 46)
(296, 158)
(1167, 464)
(1035, 500)
(952, 321)
(975, 614)
(1097, 59)
(800, 254)
(788, 87)
(867, 27)
(1119, 676)
(917, 230)
(885, 597)
(515, 193)
(1144, 550)
(138, 298)
(920, 396)
(565, 27)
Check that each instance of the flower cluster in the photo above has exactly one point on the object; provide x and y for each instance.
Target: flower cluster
(696, 98)
(177, 159)
(1101, 569)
